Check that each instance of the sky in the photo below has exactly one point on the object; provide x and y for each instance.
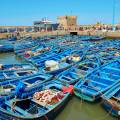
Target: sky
(24, 12)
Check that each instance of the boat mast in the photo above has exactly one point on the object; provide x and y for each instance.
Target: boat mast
(113, 22)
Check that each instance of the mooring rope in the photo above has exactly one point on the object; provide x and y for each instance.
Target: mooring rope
(46, 117)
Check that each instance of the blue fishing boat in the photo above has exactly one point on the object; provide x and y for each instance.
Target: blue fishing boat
(111, 100)
(8, 75)
(97, 82)
(85, 38)
(75, 73)
(92, 38)
(59, 63)
(36, 51)
(40, 102)
(96, 38)
(8, 87)
(12, 39)
(6, 48)
(57, 56)
(24, 45)
(16, 67)
(45, 55)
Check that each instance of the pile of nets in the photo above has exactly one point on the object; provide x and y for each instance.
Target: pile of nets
(48, 96)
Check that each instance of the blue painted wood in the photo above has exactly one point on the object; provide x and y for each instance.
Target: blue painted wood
(77, 72)
(9, 86)
(96, 83)
(26, 108)
(16, 67)
(111, 100)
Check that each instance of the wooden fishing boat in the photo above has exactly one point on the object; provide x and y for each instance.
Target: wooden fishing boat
(111, 100)
(57, 56)
(24, 45)
(97, 82)
(36, 51)
(75, 73)
(94, 58)
(8, 75)
(39, 103)
(52, 54)
(92, 38)
(6, 48)
(8, 87)
(12, 39)
(16, 67)
(106, 57)
(45, 55)
(22, 52)
(96, 38)
(61, 62)
(68, 42)
(85, 38)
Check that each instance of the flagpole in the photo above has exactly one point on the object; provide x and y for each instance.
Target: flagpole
(113, 22)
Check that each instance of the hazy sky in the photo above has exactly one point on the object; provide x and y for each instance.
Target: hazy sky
(24, 12)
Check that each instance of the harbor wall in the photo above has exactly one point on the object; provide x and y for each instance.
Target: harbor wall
(33, 34)
(109, 34)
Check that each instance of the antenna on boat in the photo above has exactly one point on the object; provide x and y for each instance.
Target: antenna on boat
(113, 22)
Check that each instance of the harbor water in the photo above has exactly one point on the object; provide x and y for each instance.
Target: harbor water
(76, 109)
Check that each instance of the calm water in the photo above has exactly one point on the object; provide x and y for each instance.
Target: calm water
(9, 58)
(75, 109)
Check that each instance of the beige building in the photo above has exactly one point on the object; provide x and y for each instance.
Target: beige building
(67, 22)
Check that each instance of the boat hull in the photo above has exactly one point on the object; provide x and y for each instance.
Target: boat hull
(50, 115)
(86, 97)
(96, 83)
(110, 108)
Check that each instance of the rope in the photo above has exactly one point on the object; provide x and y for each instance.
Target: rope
(46, 117)
(13, 105)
